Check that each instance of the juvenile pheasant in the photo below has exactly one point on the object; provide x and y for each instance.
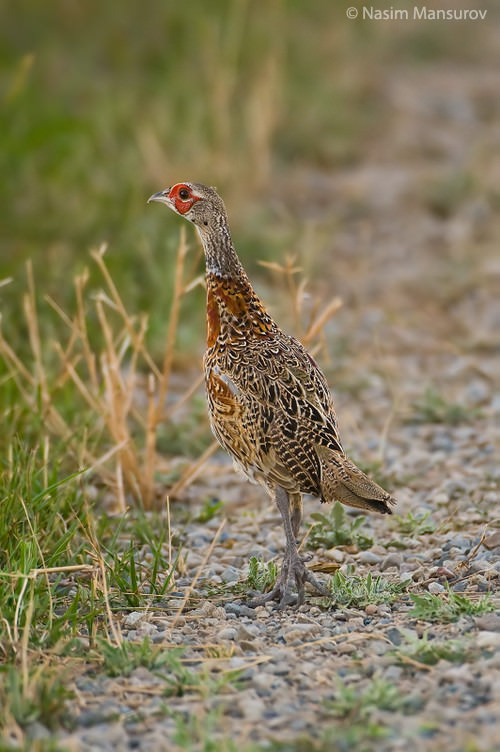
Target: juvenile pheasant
(269, 403)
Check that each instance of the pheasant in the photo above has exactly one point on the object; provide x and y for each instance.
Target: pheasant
(269, 403)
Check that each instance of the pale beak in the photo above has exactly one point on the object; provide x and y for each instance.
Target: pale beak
(162, 197)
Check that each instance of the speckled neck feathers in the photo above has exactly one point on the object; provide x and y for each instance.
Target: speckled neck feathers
(221, 258)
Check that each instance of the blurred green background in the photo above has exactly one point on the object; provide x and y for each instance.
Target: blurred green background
(105, 103)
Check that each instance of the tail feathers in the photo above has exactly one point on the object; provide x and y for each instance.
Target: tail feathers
(343, 481)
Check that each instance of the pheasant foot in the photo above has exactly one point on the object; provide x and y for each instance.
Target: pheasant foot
(293, 569)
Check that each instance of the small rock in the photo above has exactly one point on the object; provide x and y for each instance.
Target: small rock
(441, 572)
(134, 618)
(393, 673)
(435, 588)
(252, 706)
(488, 640)
(230, 574)
(441, 498)
(492, 541)
(368, 557)
(335, 554)
(371, 609)
(249, 632)
(228, 633)
(239, 609)
(391, 560)
(394, 636)
(299, 633)
(489, 622)
(346, 648)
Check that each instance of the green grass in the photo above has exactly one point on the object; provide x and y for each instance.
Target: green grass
(414, 524)
(448, 607)
(38, 695)
(358, 726)
(433, 407)
(430, 651)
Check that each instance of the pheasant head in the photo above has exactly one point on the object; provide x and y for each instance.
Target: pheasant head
(203, 206)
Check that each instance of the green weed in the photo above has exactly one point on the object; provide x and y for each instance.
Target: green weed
(355, 709)
(202, 733)
(351, 702)
(121, 660)
(209, 509)
(448, 607)
(358, 592)
(38, 695)
(430, 651)
(335, 529)
(444, 197)
(418, 524)
(432, 407)
(261, 575)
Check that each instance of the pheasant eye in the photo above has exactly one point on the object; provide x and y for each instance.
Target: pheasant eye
(184, 194)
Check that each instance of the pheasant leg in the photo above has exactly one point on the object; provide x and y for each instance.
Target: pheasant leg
(293, 568)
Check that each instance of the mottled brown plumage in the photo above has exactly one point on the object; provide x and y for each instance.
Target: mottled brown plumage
(269, 403)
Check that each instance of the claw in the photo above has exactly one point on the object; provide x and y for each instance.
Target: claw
(293, 569)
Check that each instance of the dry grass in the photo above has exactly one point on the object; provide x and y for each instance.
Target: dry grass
(109, 379)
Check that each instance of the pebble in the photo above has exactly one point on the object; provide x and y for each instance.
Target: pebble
(230, 574)
(486, 639)
(488, 622)
(368, 557)
(239, 609)
(435, 588)
(251, 705)
(335, 554)
(391, 560)
(228, 633)
(134, 618)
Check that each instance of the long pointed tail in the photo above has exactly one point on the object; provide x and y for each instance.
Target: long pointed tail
(343, 481)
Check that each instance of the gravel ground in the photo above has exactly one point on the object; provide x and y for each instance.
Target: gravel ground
(420, 280)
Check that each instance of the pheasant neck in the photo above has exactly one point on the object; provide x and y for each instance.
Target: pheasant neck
(220, 256)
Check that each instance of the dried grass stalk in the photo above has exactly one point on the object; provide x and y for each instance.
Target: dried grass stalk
(107, 380)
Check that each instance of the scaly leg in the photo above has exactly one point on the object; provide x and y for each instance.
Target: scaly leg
(293, 565)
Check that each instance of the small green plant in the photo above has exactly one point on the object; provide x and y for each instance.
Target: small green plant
(334, 529)
(429, 652)
(355, 727)
(444, 196)
(209, 510)
(359, 705)
(199, 731)
(40, 695)
(448, 607)
(418, 524)
(360, 591)
(432, 407)
(261, 575)
(121, 660)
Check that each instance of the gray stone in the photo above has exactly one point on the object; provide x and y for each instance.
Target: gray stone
(228, 633)
(435, 588)
(489, 622)
(368, 557)
(134, 619)
(391, 560)
(230, 574)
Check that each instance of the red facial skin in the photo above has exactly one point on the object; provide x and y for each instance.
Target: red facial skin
(182, 204)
